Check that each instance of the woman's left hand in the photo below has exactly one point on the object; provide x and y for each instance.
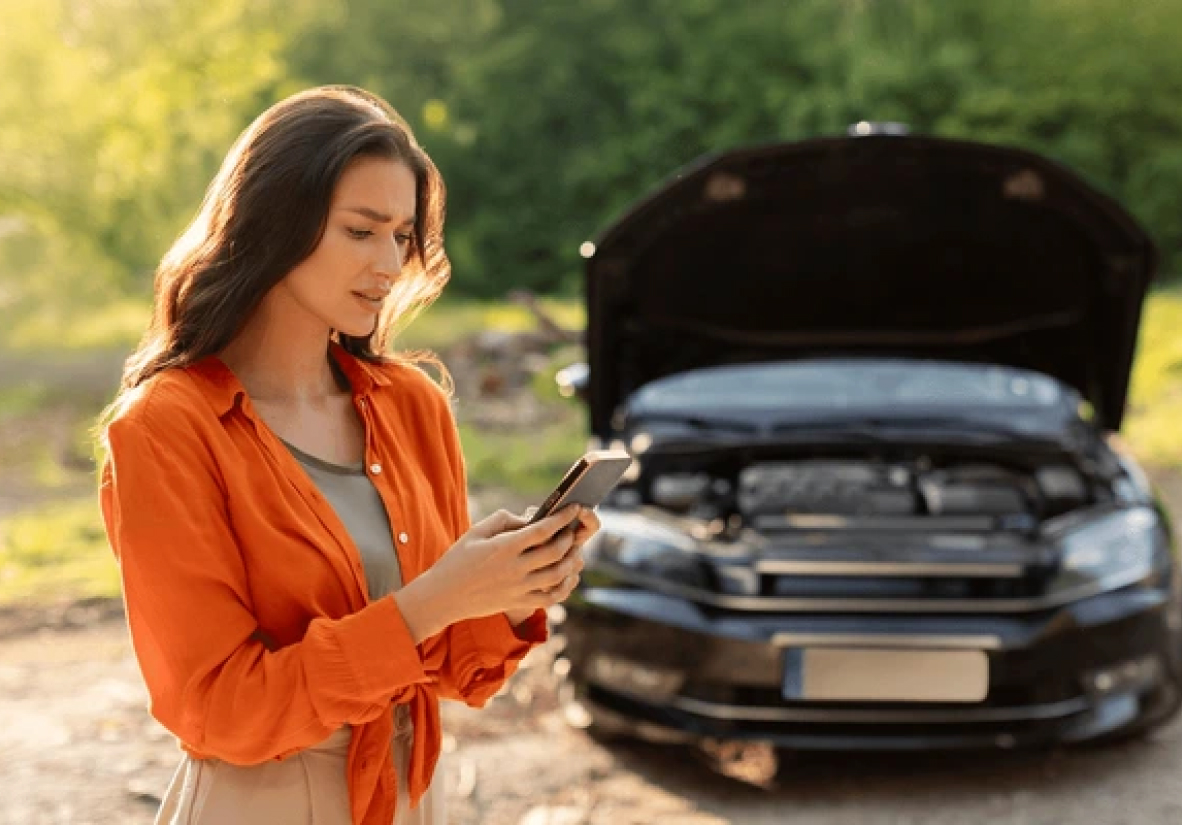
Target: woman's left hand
(586, 525)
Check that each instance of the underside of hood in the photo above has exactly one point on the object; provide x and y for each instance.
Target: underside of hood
(899, 246)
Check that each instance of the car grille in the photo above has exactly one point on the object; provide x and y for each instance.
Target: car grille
(808, 581)
(928, 588)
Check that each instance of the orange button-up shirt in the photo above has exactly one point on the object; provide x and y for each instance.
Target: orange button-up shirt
(245, 595)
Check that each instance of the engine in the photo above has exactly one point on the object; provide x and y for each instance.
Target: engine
(773, 492)
(830, 487)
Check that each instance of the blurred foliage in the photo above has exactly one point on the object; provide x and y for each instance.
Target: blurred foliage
(56, 553)
(451, 321)
(528, 463)
(547, 119)
(1153, 427)
(114, 114)
(116, 323)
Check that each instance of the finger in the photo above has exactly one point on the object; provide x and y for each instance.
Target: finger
(574, 554)
(588, 525)
(553, 596)
(548, 554)
(583, 535)
(529, 513)
(566, 563)
(497, 523)
(533, 535)
(576, 570)
(550, 577)
(563, 591)
(589, 521)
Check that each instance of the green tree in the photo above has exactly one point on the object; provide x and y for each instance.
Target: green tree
(114, 115)
(558, 115)
(547, 119)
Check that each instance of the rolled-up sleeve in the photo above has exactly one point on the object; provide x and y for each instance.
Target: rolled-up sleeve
(211, 681)
(481, 654)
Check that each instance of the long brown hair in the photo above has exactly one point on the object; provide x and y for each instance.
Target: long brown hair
(266, 211)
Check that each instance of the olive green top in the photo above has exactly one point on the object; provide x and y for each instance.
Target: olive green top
(359, 507)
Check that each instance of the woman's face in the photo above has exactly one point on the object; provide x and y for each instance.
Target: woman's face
(366, 240)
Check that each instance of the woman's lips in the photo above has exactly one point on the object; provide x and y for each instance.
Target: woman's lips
(373, 301)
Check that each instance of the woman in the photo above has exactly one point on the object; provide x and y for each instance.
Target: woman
(287, 503)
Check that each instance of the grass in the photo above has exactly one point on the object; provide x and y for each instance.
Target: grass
(1153, 427)
(116, 325)
(21, 400)
(449, 321)
(529, 463)
(119, 324)
(56, 552)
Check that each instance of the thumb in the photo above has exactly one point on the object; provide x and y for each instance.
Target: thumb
(499, 522)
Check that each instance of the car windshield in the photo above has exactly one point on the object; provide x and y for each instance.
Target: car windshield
(850, 385)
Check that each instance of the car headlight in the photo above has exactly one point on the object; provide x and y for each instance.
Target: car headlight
(633, 544)
(1115, 551)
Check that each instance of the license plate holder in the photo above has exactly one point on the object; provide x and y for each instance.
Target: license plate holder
(846, 674)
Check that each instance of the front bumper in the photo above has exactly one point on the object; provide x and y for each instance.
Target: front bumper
(1050, 674)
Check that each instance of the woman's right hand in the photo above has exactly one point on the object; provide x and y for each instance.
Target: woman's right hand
(504, 563)
(501, 564)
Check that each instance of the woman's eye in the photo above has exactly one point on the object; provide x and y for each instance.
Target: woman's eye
(404, 237)
(359, 233)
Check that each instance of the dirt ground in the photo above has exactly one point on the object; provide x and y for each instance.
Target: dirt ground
(77, 747)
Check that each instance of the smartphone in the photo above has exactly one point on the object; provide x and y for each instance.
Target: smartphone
(587, 482)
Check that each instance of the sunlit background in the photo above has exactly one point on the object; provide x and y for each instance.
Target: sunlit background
(546, 119)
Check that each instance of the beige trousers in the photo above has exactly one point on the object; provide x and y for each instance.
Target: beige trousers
(308, 788)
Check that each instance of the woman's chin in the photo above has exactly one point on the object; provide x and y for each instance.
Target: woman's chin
(356, 328)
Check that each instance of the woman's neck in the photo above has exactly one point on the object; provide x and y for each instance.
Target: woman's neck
(281, 354)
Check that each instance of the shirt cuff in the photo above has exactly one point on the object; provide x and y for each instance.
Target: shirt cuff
(496, 641)
(533, 630)
(383, 656)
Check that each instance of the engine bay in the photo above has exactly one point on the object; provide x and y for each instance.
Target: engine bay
(957, 492)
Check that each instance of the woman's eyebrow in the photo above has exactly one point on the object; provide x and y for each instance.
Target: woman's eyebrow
(374, 215)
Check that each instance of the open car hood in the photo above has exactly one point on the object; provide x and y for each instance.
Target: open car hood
(880, 245)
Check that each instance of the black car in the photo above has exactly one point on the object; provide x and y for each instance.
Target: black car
(871, 386)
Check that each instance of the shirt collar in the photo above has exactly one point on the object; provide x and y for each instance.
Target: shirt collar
(222, 387)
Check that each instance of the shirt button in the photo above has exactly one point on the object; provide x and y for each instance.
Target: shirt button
(375, 468)
(403, 537)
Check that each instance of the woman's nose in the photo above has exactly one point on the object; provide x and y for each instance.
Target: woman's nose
(390, 261)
